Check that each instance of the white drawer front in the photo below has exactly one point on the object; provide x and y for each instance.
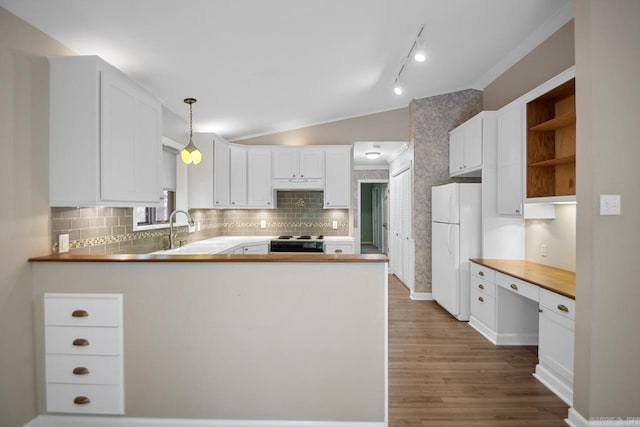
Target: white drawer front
(104, 399)
(338, 248)
(482, 272)
(88, 369)
(101, 341)
(483, 308)
(518, 286)
(89, 309)
(557, 303)
(484, 286)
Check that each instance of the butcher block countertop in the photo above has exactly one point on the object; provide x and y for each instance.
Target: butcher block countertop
(556, 280)
(277, 257)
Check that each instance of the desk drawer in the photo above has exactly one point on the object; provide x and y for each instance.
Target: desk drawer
(71, 369)
(483, 308)
(482, 272)
(484, 286)
(559, 304)
(102, 399)
(518, 286)
(82, 309)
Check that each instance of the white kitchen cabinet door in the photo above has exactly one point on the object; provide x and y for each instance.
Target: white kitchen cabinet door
(337, 192)
(311, 164)
(259, 192)
(105, 137)
(456, 151)
(285, 163)
(238, 177)
(510, 147)
(472, 157)
(221, 174)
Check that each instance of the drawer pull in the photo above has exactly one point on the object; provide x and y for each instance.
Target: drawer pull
(480, 299)
(81, 400)
(80, 313)
(563, 307)
(80, 342)
(514, 286)
(481, 286)
(80, 370)
(481, 273)
(338, 251)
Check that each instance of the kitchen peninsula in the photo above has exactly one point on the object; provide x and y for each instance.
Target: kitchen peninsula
(236, 337)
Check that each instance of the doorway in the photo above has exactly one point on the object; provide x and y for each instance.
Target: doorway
(374, 216)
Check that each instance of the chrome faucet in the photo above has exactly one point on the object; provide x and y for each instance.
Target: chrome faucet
(172, 237)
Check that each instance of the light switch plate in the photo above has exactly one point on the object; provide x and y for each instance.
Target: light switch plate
(263, 223)
(610, 204)
(334, 225)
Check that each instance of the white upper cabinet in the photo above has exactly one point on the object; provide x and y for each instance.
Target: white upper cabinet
(259, 192)
(465, 148)
(298, 163)
(237, 176)
(105, 136)
(337, 191)
(510, 172)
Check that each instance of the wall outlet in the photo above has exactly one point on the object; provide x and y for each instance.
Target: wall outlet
(198, 226)
(543, 250)
(63, 243)
(263, 223)
(334, 225)
(191, 229)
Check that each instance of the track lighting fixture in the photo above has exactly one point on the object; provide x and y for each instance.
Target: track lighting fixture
(418, 52)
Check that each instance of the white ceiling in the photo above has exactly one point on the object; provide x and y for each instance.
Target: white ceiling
(258, 67)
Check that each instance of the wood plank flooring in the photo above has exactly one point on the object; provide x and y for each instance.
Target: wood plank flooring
(442, 373)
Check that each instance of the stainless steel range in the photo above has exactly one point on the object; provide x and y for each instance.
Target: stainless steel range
(299, 244)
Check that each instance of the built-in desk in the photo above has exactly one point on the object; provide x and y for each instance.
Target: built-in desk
(518, 302)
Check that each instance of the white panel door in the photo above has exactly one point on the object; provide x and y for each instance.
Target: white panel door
(473, 143)
(456, 150)
(148, 151)
(337, 191)
(311, 163)
(285, 163)
(259, 178)
(444, 266)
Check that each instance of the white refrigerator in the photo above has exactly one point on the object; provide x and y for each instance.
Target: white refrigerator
(456, 236)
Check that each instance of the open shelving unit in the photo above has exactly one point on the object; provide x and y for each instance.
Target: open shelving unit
(551, 143)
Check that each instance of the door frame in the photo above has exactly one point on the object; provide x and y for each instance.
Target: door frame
(356, 233)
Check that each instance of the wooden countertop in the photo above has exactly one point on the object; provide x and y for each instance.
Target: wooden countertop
(556, 280)
(278, 257)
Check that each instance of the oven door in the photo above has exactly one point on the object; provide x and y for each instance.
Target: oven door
(297, 246)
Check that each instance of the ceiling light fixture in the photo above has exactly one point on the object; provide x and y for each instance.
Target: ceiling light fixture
(190, 153)
(419, 53)
(372, 155)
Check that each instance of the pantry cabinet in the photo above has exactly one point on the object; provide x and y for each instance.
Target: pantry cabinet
(465, 147)
(105, 136)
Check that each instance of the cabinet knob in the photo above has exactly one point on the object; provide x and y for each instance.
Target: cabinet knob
(481, 286)
(338, 251)
(233, 203)
(217, 202)
(81, 342)
(481, 273)
(294, 175)
(80, 370)
(514, 286)
(301, 176)
(480, 299)
(517, 211)
(81, 400)
(563, 307)
(268, 203)
(539, 310)
(328, 203)
(79, 313)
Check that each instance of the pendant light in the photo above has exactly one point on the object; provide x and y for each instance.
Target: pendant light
(190, 153)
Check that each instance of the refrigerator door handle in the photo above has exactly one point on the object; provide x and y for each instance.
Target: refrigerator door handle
(449, 238)
(450, 206)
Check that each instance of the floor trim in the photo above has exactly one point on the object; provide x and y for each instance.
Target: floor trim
(84, 421)
(555, 384)
(577, 420)
(421, 296)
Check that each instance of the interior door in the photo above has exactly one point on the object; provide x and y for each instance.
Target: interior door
(444, 273)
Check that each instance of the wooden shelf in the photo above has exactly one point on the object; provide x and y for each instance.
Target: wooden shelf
(554, 162)
(563, 120)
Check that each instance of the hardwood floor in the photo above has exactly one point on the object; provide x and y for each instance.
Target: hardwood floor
(442, 373)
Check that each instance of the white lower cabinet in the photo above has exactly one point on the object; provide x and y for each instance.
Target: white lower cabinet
(483, 308)
(338, 248)
(84, 353)
(556, 344)
(261, 248)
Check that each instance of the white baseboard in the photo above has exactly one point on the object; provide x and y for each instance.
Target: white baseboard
(555, 384)
(484, 330)
(577, 420)
(421, 296)
(101, 421)
(517, 339)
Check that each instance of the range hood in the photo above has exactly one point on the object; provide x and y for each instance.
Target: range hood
(299, 184)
